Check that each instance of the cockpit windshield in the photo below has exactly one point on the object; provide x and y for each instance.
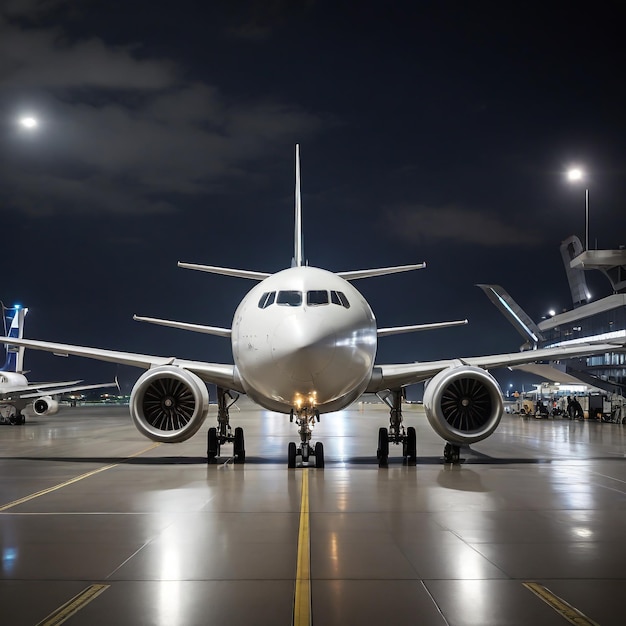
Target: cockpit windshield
(317, 297)
(314, 297)
(289, 298)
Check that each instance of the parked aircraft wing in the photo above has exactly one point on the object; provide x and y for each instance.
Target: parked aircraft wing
(18, 389)
(397, 375)
(69, 389)
(219, 374)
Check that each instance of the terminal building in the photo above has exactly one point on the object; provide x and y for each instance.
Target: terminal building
(601, 320)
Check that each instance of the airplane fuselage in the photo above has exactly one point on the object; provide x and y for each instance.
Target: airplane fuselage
(11, 380)
(304, 337)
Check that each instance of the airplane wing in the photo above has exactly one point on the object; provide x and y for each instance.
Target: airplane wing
(37, 386)
(398, 375)
(70, 389)
(219, 374)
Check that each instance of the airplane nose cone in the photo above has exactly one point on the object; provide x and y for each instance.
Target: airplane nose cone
(302, 352)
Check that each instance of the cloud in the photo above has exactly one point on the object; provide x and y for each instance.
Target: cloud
(419, 223)
(44, 58)
(257, 20)
(125, 128)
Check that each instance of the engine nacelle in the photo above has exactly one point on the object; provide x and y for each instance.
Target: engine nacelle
(169, 404)
(463, 404)
(46, 405)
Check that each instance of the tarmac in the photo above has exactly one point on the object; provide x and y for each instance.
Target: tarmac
(99, 525)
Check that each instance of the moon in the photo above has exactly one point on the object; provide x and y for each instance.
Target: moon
(29, 122)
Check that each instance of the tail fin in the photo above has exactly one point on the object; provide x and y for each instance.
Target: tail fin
(13, 318)
(297, 260)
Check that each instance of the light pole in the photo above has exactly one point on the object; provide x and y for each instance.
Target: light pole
(574, 175)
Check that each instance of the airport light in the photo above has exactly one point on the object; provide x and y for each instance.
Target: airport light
(575, 175)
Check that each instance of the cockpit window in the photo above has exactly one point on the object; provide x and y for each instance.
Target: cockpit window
(317, 297)
(289, 298)
(338, 297)
(266, 299)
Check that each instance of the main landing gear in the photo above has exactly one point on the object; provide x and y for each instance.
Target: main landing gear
(10, 415)
(305, 417)
(451, 453)
(217, 437)
(396, 433)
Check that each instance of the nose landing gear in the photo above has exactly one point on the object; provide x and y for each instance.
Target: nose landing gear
(217, 437)
(396, 433)
(305, 418)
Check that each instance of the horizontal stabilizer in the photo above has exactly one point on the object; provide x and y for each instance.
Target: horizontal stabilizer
(379, 271)
(197, 328)
(397, 330)
(225, 271)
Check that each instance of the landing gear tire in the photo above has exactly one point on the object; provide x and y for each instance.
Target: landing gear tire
(291, 455)
(212, 448)
(451, 453)
(410, 446)
(239, 450)
(319, 455)
(383, 447)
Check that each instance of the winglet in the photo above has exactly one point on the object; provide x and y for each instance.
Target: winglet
(514, 313)
(297, 250)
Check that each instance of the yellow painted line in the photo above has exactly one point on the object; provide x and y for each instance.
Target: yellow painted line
(563, 608)
(302, 595)
(74, 605)
(43, 492)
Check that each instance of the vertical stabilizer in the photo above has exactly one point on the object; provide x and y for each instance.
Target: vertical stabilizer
(13, 318)
(570, 249)
(297, 250)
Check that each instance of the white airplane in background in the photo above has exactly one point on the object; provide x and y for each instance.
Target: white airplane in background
(15, 390)
(304, 343)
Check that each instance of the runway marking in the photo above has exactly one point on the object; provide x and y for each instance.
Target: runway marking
(302, 595)
(563, 608)
(43, 492)
(74, 605)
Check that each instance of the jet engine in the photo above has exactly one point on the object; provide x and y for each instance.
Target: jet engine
(463, 404)
(169, 404)
(45, 405)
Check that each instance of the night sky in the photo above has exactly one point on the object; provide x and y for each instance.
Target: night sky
(429, 131)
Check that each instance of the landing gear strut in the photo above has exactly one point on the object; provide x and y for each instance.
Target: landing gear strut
(217, 437)
(451, 453)
(305, 418)
(13, 416)
(396, 433)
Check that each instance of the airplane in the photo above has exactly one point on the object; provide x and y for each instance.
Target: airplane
(15, 390)
(304, 344)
